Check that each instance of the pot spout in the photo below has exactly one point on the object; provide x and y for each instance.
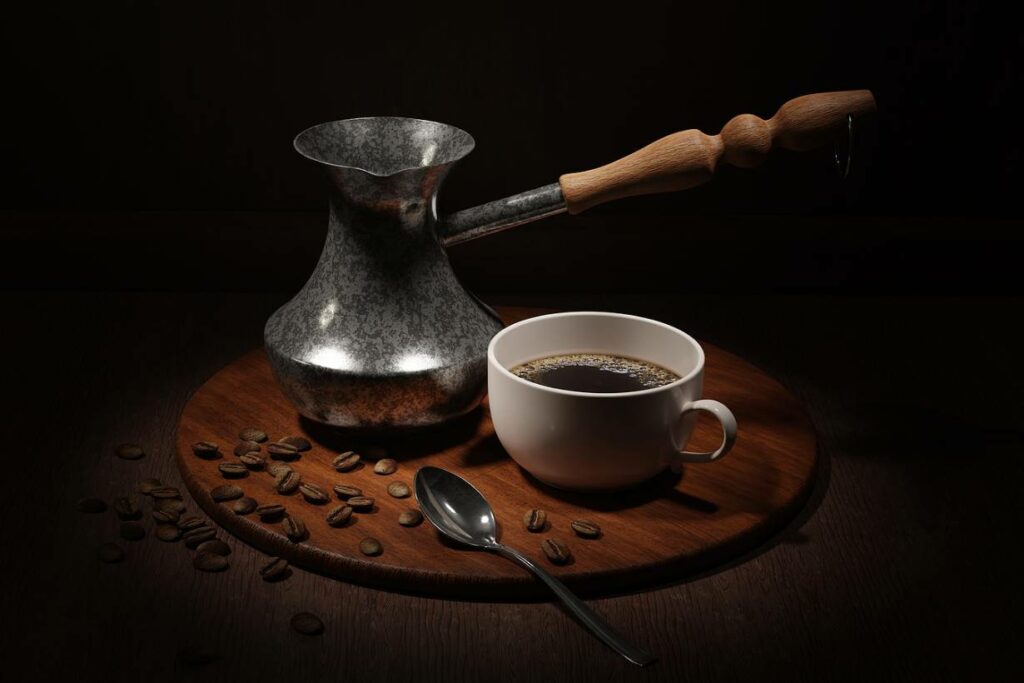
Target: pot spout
(501, 214)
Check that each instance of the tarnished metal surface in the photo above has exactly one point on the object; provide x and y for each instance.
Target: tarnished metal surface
(502, 214)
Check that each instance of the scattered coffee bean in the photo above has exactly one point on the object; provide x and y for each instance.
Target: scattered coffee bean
(164, 492)
(313, 493)
(246, 447)
(385, 466)
(288, 482)
(200, 535)
(361, 503)
(191, 522)
(283, 451)
(126, 508)
(206, 449)
(132, 531)
(252, 434)
(275, 569)
(244, 506)
(270, 511)
(370, 546)
(277, 468)
(339, 515)
(346, 461)
(345, 491)
(166, 517)
(300, 444)
(225, 493)
(585, 528)
(307, 624)
(398, 489)
(534, 520)
(110, 553)
(92, 505)
(410, 518)
(168, 532)
(233, 470)
(169, 505)
(147, 485)
(209, 562)
(556, 550)
(129, 451)
(253, 461)
(295, 528)
(216, 546)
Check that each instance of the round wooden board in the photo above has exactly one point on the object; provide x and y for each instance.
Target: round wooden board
(671, 526)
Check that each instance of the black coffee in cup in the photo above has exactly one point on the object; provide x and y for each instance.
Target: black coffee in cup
(600, 373)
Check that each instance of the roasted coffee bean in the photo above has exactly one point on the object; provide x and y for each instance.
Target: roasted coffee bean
(225, 493)
(294, 528)
(398, 489)
(252, 434)
(298, 442)
(283, 451)
(164, 492)
(126, 508)
(410, 518)
(246, 447)
(196, 536)
(276, 569)
(253, 461)
(165, 517)
(313, 493)
(534, 520)
(277, 468)
(233, 470)
(346, 461)
(191, 522)
(168, 532)
(345, 491)
(129, 451)
(585, 528)
(385, 466)
(209, 562)
(361, 503)
(339, 515)
(132, 531)
(307, 624)
(370, 546)
(288, 482)
(556, 550)
(169, 505)
(216, 546)
(110, 553)
(270, 511)
(92, 505)
(206, 449)
(244, 506)
(147, 485)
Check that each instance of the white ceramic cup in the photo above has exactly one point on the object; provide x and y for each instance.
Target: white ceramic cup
(592, 441)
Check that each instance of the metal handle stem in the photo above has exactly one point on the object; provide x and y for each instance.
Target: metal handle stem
(596, 624)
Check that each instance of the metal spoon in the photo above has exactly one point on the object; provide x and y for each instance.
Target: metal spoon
(461, 513)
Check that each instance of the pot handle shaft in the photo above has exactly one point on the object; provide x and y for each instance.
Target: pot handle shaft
(688, 158)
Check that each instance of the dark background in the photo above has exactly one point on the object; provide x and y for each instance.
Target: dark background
(146, 140)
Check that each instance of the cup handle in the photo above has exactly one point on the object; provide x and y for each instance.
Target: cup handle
(728, 422)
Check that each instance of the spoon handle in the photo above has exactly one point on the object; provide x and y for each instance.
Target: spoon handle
(596, 624)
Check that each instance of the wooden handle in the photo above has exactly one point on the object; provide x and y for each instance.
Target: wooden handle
(688, 158)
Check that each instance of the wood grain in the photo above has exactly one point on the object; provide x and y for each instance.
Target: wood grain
(667, 528)
(688, 158)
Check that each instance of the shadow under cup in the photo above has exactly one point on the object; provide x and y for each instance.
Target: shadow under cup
(591, 441)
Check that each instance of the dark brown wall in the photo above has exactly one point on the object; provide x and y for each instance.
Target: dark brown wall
(187, 106)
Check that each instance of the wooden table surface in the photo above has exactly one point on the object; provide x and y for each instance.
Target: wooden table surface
(905, 565)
